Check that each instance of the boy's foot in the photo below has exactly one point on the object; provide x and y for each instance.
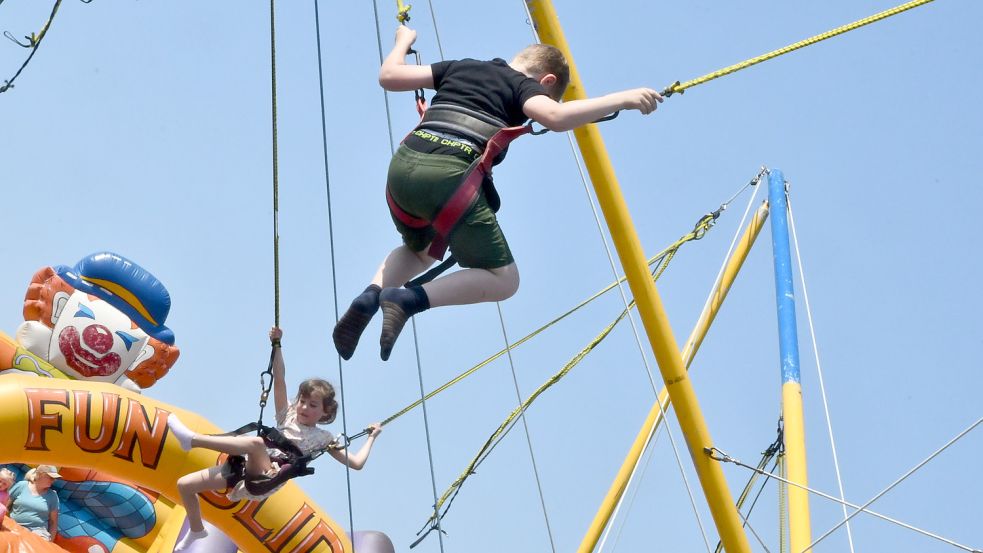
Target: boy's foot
(189, 538)
(398, 305)
(351, 325)
(180, 431)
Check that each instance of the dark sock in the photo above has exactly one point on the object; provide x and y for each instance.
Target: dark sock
(398, 305)
(351, 325)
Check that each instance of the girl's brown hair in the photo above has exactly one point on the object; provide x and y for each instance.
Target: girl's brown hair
(313, 386)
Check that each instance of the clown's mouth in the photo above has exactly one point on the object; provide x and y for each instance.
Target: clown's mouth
(82, 360)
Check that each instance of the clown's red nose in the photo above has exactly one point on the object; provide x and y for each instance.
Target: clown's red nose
(97, 338)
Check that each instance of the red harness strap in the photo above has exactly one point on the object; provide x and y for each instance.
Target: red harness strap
(465, 195)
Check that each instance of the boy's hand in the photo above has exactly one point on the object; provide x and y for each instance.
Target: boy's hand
(405, 35)
(645, 100)
(374, 430)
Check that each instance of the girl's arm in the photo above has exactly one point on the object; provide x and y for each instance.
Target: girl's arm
(569, 115)
(395, 75)
(280, 400)
(357, 461)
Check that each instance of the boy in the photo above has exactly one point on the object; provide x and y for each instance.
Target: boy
(473, 100)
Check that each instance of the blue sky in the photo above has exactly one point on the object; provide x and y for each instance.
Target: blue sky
(144, 128)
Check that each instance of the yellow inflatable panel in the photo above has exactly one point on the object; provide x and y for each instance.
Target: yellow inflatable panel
(104, 427)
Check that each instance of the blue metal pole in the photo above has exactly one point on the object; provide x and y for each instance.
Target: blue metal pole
(784, 294)
(788, 343)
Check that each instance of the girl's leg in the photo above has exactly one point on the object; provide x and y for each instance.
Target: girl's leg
(252, 447)
(190, 485)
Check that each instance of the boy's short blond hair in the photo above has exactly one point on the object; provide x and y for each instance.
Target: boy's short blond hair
(541, 59)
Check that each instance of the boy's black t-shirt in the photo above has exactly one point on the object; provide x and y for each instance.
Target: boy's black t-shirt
(491, 87)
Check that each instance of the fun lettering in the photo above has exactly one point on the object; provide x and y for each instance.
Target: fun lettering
(47, 408)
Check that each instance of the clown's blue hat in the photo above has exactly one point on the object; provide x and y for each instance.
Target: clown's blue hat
(127, 287)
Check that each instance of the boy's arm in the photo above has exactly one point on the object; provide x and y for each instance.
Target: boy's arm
(569, 115)
(395, 75)
(280, 401)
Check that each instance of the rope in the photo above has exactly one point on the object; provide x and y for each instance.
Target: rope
(276, 171)
(696, 234)
(721, 456)
(403, 17)
(819, 366)
(783, 537)
(776, 449)
(895, 483)
(509, 422)
(35, 43)
(532, 455)
(334, 278)
(681, 87)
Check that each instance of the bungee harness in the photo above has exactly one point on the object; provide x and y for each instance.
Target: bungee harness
(292, 460)
(488, 133)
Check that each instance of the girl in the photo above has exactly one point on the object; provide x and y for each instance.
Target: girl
(33, 504)
(315, 404)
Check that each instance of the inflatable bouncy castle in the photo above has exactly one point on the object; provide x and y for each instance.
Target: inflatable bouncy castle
(93, 337)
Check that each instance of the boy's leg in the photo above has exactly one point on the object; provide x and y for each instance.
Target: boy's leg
(473, 286)
(399, 266)
(460, 288)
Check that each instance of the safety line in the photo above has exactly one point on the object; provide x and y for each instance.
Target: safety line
(334, 275)
(503, 429)
(721, 456)
(783, 536)
(681, 87)
(416, 344)
(895, 483)
(772, 452)
(819, 366)
(480, 365)
(604, 242)
(643, 463)
(276, 173)
(641, 349)
(436, 31)
(525, 425)
(689, 347)
(35, 43)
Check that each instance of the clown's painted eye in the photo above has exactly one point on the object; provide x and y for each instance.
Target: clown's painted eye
(85, 312)
(127, 339)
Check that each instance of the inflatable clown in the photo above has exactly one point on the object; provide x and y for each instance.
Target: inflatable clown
(101, 320)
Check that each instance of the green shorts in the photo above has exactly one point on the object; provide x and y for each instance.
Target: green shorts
(420, 184)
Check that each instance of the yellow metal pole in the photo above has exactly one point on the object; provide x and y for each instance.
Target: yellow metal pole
(650, 308)
(654, 419)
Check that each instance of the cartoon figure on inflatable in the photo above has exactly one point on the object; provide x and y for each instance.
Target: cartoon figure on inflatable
(96, 332)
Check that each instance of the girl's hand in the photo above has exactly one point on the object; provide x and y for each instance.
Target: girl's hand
(275, 335)
(374, 430)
